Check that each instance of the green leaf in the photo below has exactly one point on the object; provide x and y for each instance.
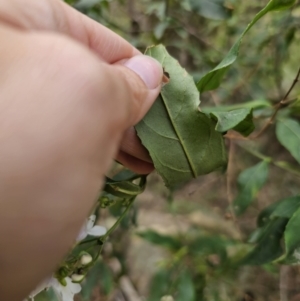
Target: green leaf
(254, 104)
(240, 120)
(160, 284)
(84, 4)
(212, 79)
(160, 29)
(174, 281)
(182, 141)
(99, 274)
(250, 181)
(206, 245)
(268, 247)
(161, 240)
(291, 234)
(92, 280)
(157, 8)
(288, 134)
(186, 287)
(283, 208)
(211, 9)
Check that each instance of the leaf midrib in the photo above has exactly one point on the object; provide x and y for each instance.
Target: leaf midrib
(179, 139)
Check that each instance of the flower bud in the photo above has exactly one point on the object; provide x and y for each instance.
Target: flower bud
(62, 272)
(62, 281)
(86, 259)
(77, 278)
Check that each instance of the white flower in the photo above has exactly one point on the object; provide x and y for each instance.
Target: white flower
(64, 293)
(89, 229)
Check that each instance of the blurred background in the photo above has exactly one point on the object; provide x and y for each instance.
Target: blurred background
(185, 245)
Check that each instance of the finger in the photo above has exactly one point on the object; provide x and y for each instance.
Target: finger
(132, 154)
(132, 145)
(55, 15)
(136, 165)
(136, 85)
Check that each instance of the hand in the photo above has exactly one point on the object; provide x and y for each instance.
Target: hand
(69, 88)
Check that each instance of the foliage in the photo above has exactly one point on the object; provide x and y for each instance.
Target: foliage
(250, 97)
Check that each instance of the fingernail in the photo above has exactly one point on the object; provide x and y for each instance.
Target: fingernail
(147, 68)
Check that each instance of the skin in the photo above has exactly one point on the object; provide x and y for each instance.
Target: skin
(67, 106)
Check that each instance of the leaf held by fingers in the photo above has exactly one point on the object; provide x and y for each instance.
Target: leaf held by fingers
(181, 140)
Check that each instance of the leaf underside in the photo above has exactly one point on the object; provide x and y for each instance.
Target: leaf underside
(181, 140)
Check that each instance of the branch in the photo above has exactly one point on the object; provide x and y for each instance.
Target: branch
(284, 101)
(278, 107)
(280, 164)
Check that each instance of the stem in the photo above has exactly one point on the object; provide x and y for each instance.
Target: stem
(279, 105)
(118, 221)
(285, 166)
(281, 164)
(102, 240)
(116, 224)
(235, 137)
(283, 102)
(256, 154)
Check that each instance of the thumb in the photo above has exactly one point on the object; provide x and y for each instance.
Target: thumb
(139, 83)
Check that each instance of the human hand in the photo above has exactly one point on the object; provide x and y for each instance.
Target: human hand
(65, 103)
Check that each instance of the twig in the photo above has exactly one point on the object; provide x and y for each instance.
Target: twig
(278, 107)
(284, 101)
(280, 164)
(235, 137)
(214, 98)
(228, 185)
(255, 153)
(128, 289)
(102, 239)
